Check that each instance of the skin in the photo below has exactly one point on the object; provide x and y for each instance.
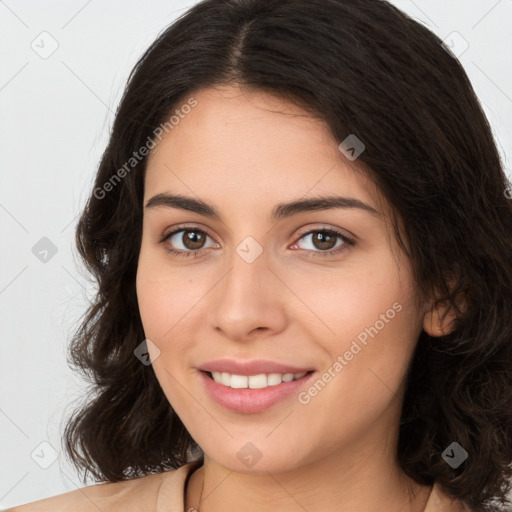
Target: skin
(243, 152)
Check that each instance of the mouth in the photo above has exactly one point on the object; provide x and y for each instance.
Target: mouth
(251, 394)
(259, 381)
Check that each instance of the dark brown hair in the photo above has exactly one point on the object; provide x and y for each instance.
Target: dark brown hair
(367, 69)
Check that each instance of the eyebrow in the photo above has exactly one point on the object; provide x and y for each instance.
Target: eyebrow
(280, 211)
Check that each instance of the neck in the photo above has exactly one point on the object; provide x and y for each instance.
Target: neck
(367, 485)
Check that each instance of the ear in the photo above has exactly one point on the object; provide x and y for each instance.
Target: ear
(439, 319)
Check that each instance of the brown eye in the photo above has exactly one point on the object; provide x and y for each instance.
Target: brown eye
(186, 241)
(193, 240)
(323, 242)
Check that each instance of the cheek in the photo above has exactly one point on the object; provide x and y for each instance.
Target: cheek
(165, 314)
(346, 300)
(171, 302)
(369, 317)
(162, 297)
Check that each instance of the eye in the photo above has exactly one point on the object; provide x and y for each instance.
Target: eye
(186, 241)
(189, 241)
(325, 241)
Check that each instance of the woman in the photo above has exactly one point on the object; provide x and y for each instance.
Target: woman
(302, 238)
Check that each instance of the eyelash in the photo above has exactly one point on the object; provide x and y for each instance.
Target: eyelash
(347, 242)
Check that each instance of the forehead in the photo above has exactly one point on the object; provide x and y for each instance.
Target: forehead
(251, 147)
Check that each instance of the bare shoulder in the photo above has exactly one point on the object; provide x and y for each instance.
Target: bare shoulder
(135, 494)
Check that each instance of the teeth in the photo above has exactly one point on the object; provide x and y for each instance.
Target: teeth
(239, 381)
(273, 379)
(260, 381)
(256, 381)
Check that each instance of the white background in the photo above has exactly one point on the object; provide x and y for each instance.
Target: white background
(56, 114)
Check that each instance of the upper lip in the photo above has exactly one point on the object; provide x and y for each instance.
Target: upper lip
(252, 367)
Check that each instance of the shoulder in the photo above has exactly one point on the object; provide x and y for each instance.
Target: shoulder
(441, 501)
(127, 495)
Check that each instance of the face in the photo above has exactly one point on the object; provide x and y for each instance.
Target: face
(323, 291)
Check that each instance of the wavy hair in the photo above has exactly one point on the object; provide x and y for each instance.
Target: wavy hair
(365, 68)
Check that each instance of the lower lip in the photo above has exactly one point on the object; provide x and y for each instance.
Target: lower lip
(251, 400)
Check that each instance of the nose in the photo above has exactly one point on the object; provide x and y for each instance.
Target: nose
(248, 300)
